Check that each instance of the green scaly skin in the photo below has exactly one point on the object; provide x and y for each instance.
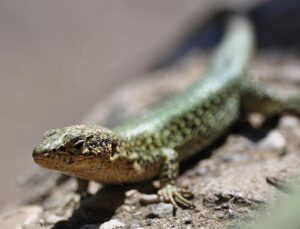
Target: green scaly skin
(155, 143)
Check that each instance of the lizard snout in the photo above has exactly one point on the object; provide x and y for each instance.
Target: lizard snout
(38, 151)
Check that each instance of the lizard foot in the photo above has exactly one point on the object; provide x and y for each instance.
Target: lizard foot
(171, 193)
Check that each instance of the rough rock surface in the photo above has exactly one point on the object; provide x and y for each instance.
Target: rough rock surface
(244, 172)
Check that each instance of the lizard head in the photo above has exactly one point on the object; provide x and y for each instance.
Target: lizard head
(73, 147)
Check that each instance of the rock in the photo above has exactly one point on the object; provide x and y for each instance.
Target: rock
(112, 224)
(94, 187)
(288, 121)
(225, 190)
(135, 224)
(54, 219)
(273, 141)
(256, 119)
(161, 210)
(131, 193)
(234, 157)
(22, 217)
(146, 199)
(202, 171)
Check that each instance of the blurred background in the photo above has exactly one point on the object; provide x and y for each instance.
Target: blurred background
(59, 58)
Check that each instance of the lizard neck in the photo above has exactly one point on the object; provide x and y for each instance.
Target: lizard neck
(120, 146)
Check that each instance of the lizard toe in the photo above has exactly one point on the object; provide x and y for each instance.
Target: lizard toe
(171, 193)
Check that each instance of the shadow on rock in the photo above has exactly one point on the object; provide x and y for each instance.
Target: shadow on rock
(100, 207)
(96, 209)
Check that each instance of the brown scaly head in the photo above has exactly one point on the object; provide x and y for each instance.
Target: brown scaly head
(76, 150)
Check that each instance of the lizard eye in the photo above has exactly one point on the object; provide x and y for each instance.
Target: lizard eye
(78, 145)
(74, 142)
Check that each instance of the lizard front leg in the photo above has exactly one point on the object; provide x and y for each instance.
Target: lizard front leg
(82, 187)
(168, 176)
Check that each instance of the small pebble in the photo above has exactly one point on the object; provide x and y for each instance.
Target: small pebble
(149, 199)
(112, 224)
(132, 197)
(202, 171)
(54, 219)
(161, 210)
(288, 122)
(256, 119)
(131, 192)
(273, 141)
(94, 187)
(236, 157)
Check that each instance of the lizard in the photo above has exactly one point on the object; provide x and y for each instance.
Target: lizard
(155, 143)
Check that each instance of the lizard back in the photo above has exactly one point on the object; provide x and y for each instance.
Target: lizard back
(193, 119)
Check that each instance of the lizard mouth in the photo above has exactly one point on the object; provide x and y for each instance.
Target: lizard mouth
(52, 161)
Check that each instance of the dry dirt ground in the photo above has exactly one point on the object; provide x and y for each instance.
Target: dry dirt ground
(246, 172)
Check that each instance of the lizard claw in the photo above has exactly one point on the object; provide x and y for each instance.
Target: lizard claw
(171, 193)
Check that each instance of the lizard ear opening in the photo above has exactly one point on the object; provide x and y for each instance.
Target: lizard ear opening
(114, 149)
